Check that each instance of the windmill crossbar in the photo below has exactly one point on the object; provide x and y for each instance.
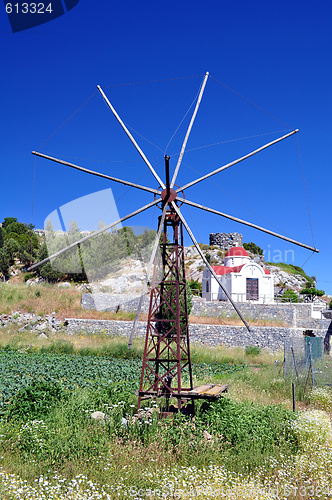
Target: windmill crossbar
(167, 370)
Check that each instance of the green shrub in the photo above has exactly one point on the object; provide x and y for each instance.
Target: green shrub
(253, 248)
(34, 401)
(195, 286)
(289, 296)
(29, 276)
(249, 432)
(311, 292)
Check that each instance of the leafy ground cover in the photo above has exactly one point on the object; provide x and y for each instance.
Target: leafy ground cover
(19, 370)
(246, 445)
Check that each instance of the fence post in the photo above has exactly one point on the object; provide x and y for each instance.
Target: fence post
(294, 361)
(311, 366)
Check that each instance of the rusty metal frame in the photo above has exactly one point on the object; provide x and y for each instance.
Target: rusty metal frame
(167, 351)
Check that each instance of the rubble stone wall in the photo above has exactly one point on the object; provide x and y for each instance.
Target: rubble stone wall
(271, 338)
(282, 314)
(226, 240)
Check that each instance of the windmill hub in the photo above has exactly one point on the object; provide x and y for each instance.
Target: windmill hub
(172, 195)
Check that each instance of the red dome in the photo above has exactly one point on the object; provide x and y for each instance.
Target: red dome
(237, 252)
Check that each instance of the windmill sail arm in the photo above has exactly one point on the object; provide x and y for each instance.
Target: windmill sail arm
(98, 174)
(208, 265)
(220, 169)
(189, 129)
(250, 224)
(105, 228)
(109, 104)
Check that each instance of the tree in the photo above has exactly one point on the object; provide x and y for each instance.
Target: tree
(8, 253)
(27, 241)
(310, 292)
(4, 265)
(46, 271)
(253, 248)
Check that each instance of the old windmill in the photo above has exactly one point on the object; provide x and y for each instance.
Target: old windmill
(166, 360)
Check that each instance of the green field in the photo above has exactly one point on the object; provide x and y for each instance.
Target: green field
(249, 444)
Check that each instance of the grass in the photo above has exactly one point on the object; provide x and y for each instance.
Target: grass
(44, 299)
(244, 441)
(244, 444)
(65, 439)
(290, 268)
(235, 320)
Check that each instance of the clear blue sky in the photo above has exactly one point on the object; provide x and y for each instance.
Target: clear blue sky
(277, 55)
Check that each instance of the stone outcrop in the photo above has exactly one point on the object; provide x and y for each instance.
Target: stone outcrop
(31, 322)
(226, 240)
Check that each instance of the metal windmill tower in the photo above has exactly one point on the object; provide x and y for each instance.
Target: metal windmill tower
(166, 360)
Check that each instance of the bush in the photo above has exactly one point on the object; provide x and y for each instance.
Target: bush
(311, 292)
(195, 286)
(253, 248)
(29, 276)
(289, 296)
(251, 432)
(34, 401)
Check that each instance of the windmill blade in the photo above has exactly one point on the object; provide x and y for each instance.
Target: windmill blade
(208, 265)
(250, 224)
(105, 228)
(236, 161)
(87, 171)
(131, 137)
(189, 129)
(145, 286)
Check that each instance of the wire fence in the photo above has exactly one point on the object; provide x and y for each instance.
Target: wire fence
(305, 362)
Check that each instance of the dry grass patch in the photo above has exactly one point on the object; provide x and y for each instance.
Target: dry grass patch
(44, 299)
(234, 321)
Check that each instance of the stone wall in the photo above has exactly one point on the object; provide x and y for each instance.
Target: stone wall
(271, 338)
(292, 315)
(226, 240)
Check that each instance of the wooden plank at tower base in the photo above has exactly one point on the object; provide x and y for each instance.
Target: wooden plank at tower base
(202, 388)
(206, 391)
(216, 390)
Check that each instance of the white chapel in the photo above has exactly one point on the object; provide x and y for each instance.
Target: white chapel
(244, 279)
